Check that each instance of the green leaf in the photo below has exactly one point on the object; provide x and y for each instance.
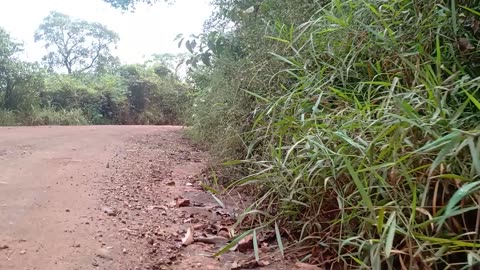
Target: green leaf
(429, 147)
(278, 39)
(232, 243)
(349, 140)
(279, 240)
(446, 150)
(255, 246)
(189, 46)
(473, 100)
(233, 162)
(256, 95)
(470, 10)
(475, 152)
(209, 188)
(360, 187)
(459, 195)
(392, 226)
(218, 200)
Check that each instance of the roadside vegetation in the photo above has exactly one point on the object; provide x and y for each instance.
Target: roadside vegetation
(357, 121)
(80, 82)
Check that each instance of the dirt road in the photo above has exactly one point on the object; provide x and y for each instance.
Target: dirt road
(50, 182)
(109, 197)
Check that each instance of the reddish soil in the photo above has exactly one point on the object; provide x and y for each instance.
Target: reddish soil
(111, 197)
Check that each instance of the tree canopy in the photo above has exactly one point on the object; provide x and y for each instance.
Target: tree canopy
(74, 44)
(130, 4)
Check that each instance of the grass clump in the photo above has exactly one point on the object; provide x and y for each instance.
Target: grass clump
(7, 118)
(365, 142)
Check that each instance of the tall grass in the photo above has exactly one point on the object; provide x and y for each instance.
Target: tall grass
(368, 153)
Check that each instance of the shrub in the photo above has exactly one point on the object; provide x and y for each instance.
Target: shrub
(7, 118)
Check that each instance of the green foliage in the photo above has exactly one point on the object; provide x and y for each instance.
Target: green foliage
(42, 116)
(154, 94)
(20, 81)
(358, 123)
(130, 4)
(76, 45)
(136, 94)
(52, 116)
(7, 118)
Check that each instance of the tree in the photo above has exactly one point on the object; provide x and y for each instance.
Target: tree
(19, 81)
(76, 45)
(167, 64)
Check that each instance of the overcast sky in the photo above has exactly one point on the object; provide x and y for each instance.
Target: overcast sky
(151, 29)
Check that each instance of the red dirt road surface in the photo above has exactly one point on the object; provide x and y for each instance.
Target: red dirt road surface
(50, 182)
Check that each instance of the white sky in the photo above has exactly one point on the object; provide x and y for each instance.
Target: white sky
(149, 30)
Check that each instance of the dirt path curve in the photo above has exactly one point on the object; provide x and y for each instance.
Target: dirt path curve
(111, 197)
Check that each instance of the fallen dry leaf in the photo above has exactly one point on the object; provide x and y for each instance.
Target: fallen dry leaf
(251, 264)
(263, 263)
(183, 202)
(246, 244)
(188, 239)
(200, 226)
(224, 232)
(465, 45)
(214, 240)
(306, 266)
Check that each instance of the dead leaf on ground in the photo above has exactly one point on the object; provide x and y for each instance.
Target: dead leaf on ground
(306, 266)
(153, 207)
(200, 226)
(183, 202)
(251, 264)
(214, 240)
(246, 243)
(263, 263)
(188, 239)
(223, 233)
(465, 45)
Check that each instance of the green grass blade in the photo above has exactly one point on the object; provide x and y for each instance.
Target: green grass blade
(279, 240)
(360, 187)
(459, 195)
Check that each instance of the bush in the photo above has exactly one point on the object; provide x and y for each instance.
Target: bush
(7, 118)
(50, 116)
